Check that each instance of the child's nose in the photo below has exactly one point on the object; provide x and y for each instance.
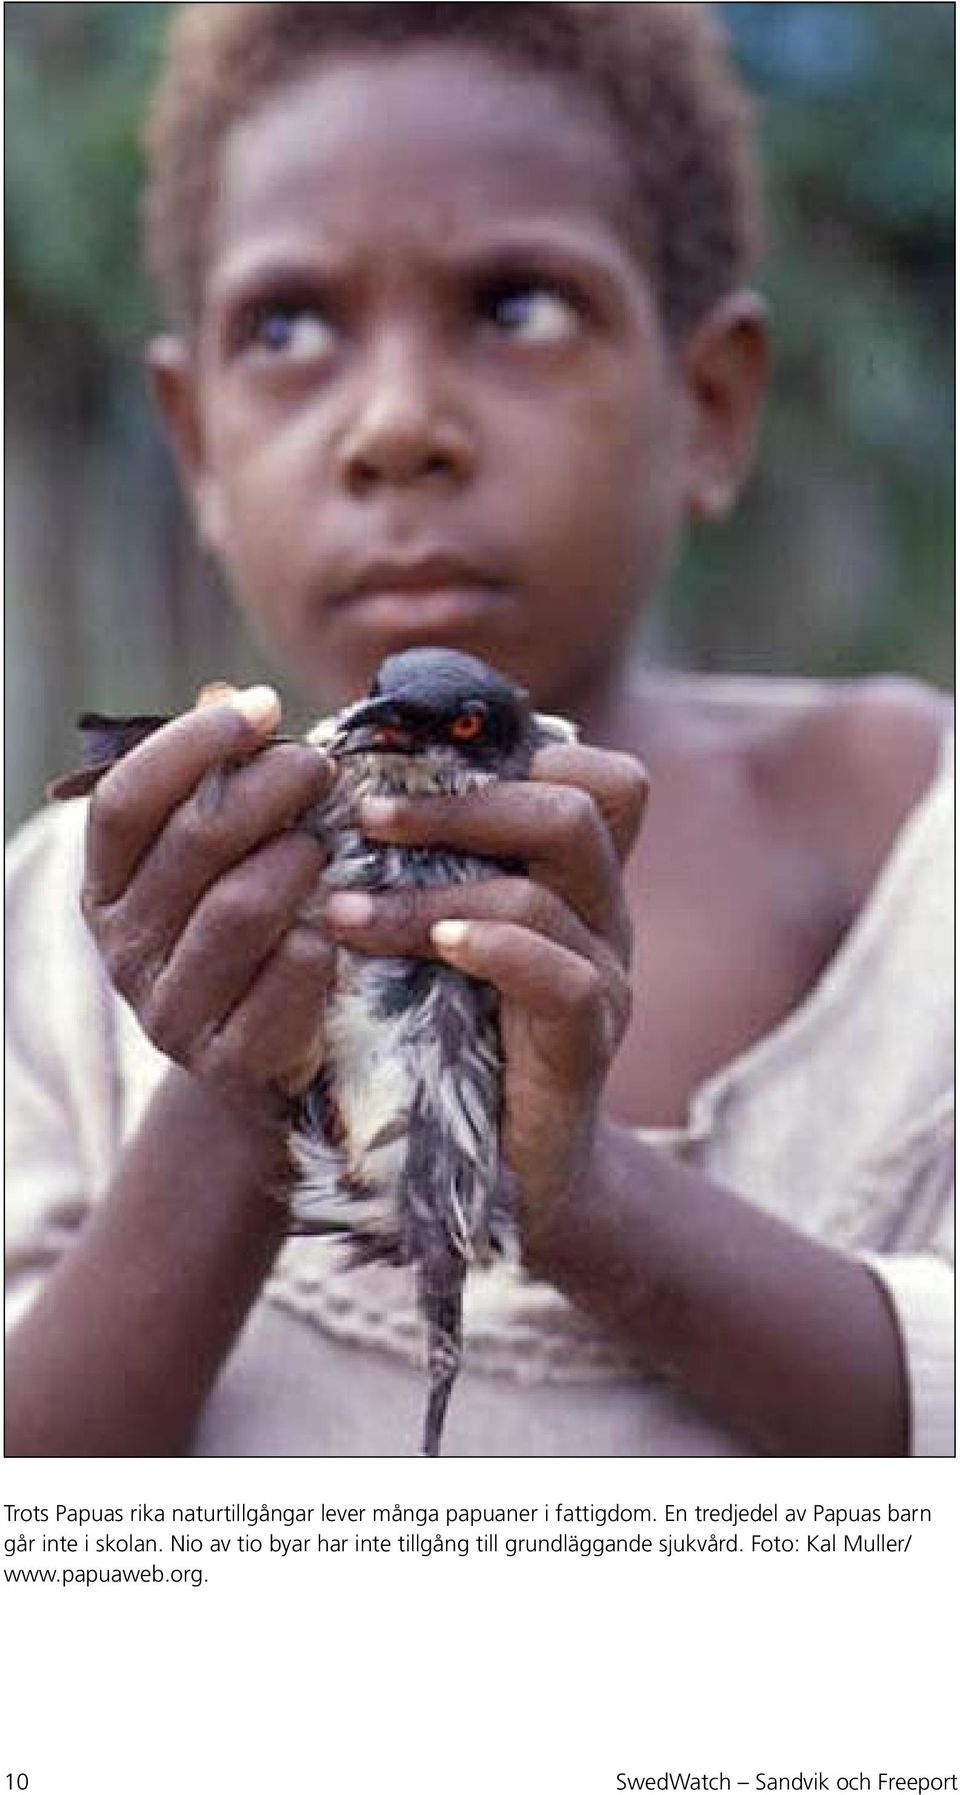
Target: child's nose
(407, 424)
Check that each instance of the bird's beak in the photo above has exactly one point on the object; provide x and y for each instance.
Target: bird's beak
(373, 726)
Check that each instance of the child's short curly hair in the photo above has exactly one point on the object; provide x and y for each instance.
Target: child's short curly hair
(661, 73)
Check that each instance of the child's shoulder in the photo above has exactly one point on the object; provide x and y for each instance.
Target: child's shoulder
(844, 761)
(884, 736)
(857, 762)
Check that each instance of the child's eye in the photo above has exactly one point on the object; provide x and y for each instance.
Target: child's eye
(289, 331)
(526, 312)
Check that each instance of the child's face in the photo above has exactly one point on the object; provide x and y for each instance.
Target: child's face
(432, 399)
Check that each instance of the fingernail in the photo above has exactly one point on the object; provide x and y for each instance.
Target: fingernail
(452, 932)
(352, 909)
(258, 704)
(378, 813)
(216, 692)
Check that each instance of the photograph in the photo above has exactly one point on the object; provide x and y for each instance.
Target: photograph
(479, 648)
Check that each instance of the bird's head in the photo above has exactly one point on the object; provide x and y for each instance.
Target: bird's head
(450, 707)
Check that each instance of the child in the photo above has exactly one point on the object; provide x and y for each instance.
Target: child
(463, 339)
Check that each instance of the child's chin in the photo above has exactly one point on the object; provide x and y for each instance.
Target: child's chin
(388, 627)
(420, 617)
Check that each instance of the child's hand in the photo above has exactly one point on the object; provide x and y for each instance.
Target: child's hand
(555, 943)
(194, 883)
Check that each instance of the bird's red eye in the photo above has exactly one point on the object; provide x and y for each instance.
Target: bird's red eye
(467, 726)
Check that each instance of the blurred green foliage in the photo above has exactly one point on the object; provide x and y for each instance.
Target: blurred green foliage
(848, 532)
(76, 78)
(840, 558)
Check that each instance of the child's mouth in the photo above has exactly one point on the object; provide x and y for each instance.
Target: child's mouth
(424, 615)
(421, 600)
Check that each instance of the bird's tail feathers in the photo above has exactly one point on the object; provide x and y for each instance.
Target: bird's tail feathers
(441, 1277)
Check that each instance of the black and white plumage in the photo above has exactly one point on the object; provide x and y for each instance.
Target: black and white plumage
(398, 1140)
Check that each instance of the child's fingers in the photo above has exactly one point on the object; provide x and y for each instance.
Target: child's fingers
(214, 692)
(401, 922)
(618, 783)
(135, 799)
(578, 1011)
(556, 830)
(230, 814)
(185, 988)
(274, 1035)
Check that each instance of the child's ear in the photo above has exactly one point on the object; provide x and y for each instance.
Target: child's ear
(725, 362)
(174, 383)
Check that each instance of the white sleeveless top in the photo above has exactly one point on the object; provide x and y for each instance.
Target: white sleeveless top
(840, 1121)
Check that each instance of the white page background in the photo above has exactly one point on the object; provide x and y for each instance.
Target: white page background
(441, 1673)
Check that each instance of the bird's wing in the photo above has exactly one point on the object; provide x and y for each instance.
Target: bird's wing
(103, 741)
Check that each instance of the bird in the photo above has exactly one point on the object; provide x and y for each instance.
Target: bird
(396, 1142)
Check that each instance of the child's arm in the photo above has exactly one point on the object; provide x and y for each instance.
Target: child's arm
(119, 1350)
(193, 888)
(784, 1338)
(789, 1341)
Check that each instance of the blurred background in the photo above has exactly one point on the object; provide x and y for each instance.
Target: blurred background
(840, 560)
